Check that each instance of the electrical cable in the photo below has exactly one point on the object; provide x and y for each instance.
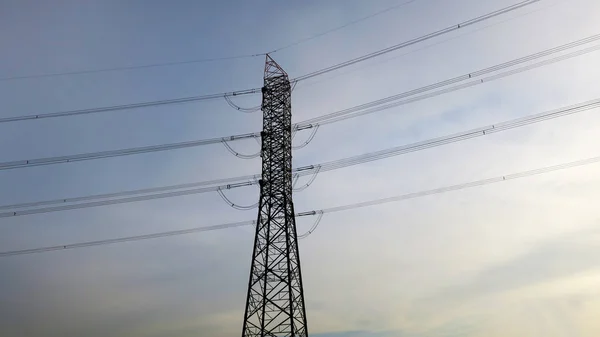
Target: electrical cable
(310, 181)
(343, 26)
(294, 81)
(328, 118)
(416, 40)
(240, 155)
(229, 182)
(360, 110)
(234, 205)
(124, 200)
(308, 140)
(239, 108)
(314, 226)
(450, 188)
(446, 40)
(153, 65)
(478, 132)
(130, 106)
(128, 239)
(295, 178)
(457, 187)
(164, 64)
(397, 198)
(124, 152)
(452, 89)
(300, 171)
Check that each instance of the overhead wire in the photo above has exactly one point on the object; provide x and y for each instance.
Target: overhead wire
(239, 108)
(231, 183)
(234, 205)
(315, 172)
(445, 189)
(129, 106)
(417, 40)
(477, 132)
(359, 110)
(335, 116)
(205, 60)
(240, 155)
(123, 200)
(340, 208)
(370, 16)
(462, 186)
(455, 88)
(314, 226)
(227, 183)
(440, 42)
(143, 66)
(308, 140)
(127, 239)
(257, 90)
(122, 152)
(397, 198)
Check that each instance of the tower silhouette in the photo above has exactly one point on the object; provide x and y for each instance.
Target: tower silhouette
(275, 301)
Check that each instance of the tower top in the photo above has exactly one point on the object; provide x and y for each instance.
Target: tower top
(272, 69)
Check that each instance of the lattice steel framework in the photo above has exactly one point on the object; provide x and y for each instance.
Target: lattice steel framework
(275, 302)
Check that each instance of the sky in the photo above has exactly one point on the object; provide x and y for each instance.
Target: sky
(519, 258)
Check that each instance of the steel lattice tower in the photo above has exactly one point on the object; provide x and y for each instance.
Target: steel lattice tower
(275, 302)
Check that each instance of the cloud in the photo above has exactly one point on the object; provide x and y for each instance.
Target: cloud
(552, 279)
(546, 262)
(164, 289)
(494, 261)
(360, 334)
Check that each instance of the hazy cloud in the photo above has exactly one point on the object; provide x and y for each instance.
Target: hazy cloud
(519, 258)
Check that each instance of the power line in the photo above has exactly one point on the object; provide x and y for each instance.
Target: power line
(126, 239)
(125, 200)
(256, 90)
(478, 132)
(314, 169)
(397, 198)
(121, 152)
(130, 106)
(227, 183)
(143, 66)
(416, 40)
(359, 110)
(343, 26)
(203, 60)
(350, 115)
(371, 107)
(457, 187)
(440, 42)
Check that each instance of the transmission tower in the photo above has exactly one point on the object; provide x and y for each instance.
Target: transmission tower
(275, 301)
